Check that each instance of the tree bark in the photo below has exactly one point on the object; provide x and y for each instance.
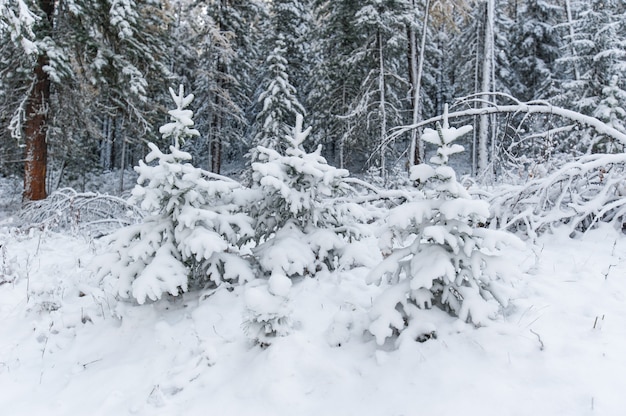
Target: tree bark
(216, 154)
(483, 128)
(35, 131)
(416, 68)
(382, 105)
(215, 150)
(36, 123)
(570, 25)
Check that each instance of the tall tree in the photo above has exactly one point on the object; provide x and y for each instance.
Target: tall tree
(486, 85)
(81, 55)
(600, 60)
(278, 104)
(335, 83)
(381, 94)
(416, 69)
(31, 26)
(537, 44)
(234, 74)
(291, 21)
(429, 60)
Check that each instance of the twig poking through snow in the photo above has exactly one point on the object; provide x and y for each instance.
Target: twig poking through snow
(542, 346)
(597, 324)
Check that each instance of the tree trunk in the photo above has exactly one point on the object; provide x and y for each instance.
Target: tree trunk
(382, 106)
(216, 154)
(35, 130)
(570, 25)
(122, 165)
(483, 129)
(416, 69)
(215, 144)
(36, 123)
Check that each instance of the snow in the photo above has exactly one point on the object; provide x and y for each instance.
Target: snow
(68, 347)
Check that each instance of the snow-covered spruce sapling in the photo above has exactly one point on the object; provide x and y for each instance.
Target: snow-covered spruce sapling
(438, 252)
(295, 192)
(298, 230)
(191, 234)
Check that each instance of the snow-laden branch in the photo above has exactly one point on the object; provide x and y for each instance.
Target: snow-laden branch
(593, 122)
(580, 194)
(89, 213)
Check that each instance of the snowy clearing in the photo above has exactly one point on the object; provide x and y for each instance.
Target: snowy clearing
(69, 348)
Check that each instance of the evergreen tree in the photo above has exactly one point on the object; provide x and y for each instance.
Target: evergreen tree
(233, 75)
(600, 61)
(291, 22)
(31, 27)
(483, 72)
(278, 105)
(335, 83)
(204, 51)
(191, 235)
(82, 57)
(379, 103)
(293, 187)
(439, 254)
(536, 46)
(298, 232)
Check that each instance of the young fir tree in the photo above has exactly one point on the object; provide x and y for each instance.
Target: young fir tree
(192, 231)
(439, 253)
(298, 231)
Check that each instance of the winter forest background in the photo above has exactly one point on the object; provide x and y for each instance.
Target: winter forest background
(312, 207)
(358, 71)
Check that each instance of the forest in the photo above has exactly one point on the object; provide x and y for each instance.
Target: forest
(84, 82)
(306, 207)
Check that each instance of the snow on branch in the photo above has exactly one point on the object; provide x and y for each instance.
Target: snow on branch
(580, 194)
(89, 213)
(182, 120)
(529, 108)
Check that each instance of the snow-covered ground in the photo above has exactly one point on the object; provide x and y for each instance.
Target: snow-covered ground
(69, 348)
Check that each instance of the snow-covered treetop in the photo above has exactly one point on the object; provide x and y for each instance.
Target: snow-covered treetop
(441, 175)
(295, 184)
(299, 135)
(180, 127)
(442, 137)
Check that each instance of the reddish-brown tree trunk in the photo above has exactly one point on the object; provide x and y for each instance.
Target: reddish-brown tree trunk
(35, 130)
(36, 122)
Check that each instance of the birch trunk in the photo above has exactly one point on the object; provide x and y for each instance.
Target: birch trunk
(483, 127)
(416, 153)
